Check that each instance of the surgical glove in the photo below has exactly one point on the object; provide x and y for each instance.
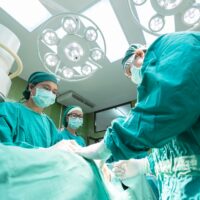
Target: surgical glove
(130, 168)
(97, 151)
(66, 145)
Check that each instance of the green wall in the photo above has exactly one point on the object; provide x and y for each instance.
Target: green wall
(15, 94)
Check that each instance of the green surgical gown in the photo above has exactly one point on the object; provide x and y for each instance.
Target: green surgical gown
(48, 174)
(69, 136)
(166, 116)
(21, 126)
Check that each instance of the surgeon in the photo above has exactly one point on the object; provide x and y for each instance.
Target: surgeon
(72, 121)
(166, 118)
(25, 124)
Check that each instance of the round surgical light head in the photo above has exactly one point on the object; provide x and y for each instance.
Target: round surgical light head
(71, 46)
(51, 59)
(96, 54)
(91, 34)
(169, 4)
(70, 24)
(191, 16)
(74, 51)
(156, 23)
(139, 2)
(50, 37)
(67, 72)
(86, 70)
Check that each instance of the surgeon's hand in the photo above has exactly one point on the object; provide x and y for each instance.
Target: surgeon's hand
(97, 151)
(66, 145)
(130, 168)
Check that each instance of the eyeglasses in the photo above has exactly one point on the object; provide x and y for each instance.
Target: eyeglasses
(74, 115)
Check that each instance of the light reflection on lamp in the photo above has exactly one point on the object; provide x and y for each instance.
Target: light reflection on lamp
(169, 4)
(139, 2)
(156, 23)
(51, 59)
(162, 9)
(74, 51)
(86, 70)
(70, 24)
(67, 46)
(91, 34)
(50, 37)
(96, 54)
(191, 16)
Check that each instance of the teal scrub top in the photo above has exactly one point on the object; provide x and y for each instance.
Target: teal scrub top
(69, 136)
(21, 126)
(166, 116)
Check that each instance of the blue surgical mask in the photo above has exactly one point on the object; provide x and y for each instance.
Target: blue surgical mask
(136, 75)
(75, 123)
(43, 98)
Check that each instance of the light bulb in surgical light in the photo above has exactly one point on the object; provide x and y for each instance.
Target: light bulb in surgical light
(70, 25)
(96, 54)
(91, 34)
(68, 73)
(156, 23)
(191, 16)
(51, 59)
(74, 52)
(169, 4)
(139, 2)
(86, 70)
(50, 37)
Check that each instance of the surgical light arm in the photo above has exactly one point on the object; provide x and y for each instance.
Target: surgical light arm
(9, 45)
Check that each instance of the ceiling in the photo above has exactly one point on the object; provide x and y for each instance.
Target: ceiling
(107, 87)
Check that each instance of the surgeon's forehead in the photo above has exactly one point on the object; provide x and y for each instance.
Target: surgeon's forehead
(49, 84)
(76, 112)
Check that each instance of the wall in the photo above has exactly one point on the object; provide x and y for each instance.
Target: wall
(15, 94)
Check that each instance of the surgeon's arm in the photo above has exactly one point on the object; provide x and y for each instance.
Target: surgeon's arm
(168, 105)
(7, 123)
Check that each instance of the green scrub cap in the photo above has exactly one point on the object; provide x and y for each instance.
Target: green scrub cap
(66, 111)
(38, 77)
(131, 50)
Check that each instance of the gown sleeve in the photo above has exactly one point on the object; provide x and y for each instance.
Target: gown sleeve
(8, 122)
(168, 97)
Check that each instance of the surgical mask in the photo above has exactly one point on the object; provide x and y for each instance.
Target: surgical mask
(75, 123)
(43, 98)
(136, 75)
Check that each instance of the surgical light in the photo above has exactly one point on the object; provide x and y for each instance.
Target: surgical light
(68, 73)
(71, 24)
(96, 54)
(156, 23)
(164, 16)
(51, 59)
(86, 69)
(90, 34)
(191, 16)
(50, 37)
(169, 4)
(68, 46)
(139, 2)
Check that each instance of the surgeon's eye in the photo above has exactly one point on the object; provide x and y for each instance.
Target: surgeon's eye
(73, 115)
(46, 87)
